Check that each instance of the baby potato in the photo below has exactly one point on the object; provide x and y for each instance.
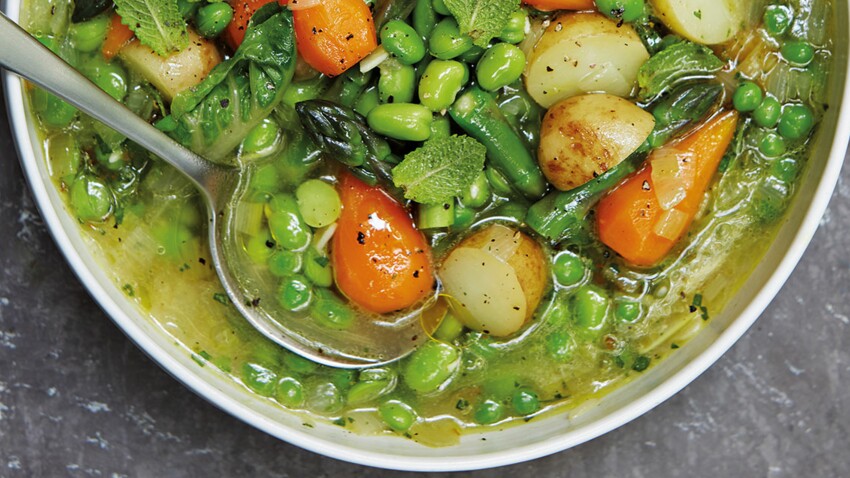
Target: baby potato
(584, 136)
(708, 22)
(583, 53)
(496, 277)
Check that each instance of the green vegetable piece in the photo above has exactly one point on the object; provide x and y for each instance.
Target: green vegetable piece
(785, 170)
(482, 19)
(397, 415)
(91, 199)
(435, 216)
(768, 112)
(568, 268)
(424, 18)
(304, 90)
(464, 217)
(402, 121)
(317, 268)
(430, 366)
(798, 53)
(157, 23)
(88, 36)
(318, 203)
(441, 82)
(641, 363)
(747, 97)
(440, 7)
(289, 392)
(440, 170)
(285, 263)
(627, 310)
(260, 247)
(498, 183)
(295, 293)
(450, 329)
(332, 312)
(678, 62)
(298, 364)
(447, 42)
(488, 412)
(87, 9)
(514, 30)
(590, 306)
(471, 56)
(796, 121)
(685, 105)
(403, 42)
(625, 10)
(109, 77)
(441, 128)
(525, 401)
(64, 156)
(367, 101)
(772, 145)
(323, 397)
(262, 139)
(478, 193)
(188, 8)
(559, 346)
(500, 66)
(287, 227)
(53, 112)
(397, 83)
(777, 19)
(213, 18)
(259, 379)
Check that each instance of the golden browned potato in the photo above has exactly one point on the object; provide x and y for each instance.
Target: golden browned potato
(584, 136)
(496, 277)
(175, 73)
(582, 53)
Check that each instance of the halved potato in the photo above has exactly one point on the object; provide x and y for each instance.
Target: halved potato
(584, 53)
(703, 21)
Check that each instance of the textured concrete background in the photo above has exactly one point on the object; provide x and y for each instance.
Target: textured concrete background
(78, 399)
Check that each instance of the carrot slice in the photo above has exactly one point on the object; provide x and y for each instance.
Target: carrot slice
(381, 261)
(118, 36)
(630, 218)
(334, 35)
(547, 5)
(243, 10)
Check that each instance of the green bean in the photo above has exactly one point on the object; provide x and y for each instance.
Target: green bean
(317, 268)
(441, 83)
(424, 18)
(295, 293)
(477, 113)
(568, 268)
(403, 121)
(430, 366)
(397, 82)
(298, 364)
(318, 203)
(259, 379)
(347, 88)
(91, 199)
(478, 193)
(403, 42)
(435, 216)
(187, 8)
(514, 31)
(498, 183)
(464, 217)
(289, 392)
(287, 227)
(285, 263)
(525, 401)
(488, 412)
(500, 66)
(397, 414)
(367, 101)
(264, 181)
(88, 36)
(447, 42)
(213, 18)
(440, 7)
(110, 77)
(372, 384)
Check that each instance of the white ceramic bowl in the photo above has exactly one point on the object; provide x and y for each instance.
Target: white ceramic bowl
(516, 444)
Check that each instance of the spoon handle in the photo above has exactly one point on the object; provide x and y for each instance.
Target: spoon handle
(24, 55)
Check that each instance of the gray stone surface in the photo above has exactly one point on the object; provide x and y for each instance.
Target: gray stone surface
(78, 399)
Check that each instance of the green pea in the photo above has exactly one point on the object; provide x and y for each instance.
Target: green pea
(489, 411)
(772, 145)
(324, 397)
(403, 42)
(625, 10)
(441, 83)
(447, 42)
(568, 268)
(500, 66)
(317, 268)
(786, 169)
(747, 97)
(397, 83)
(285, 263)
(441, 127)
(796, 121)
(450, 328)
(590, 306)
(213, 18)
(627, 310)
(289, 392)
(262, 138)
(440, 7)
(397, 415)
(559, 346)
(367, 101)
(478, 193)
(768, 112)
(294, 293)
(525, 401)
(498, 182)
(777, 19)
(798, 53)
(287, 227)
(318, 203)
(260, 247)
(259, 379)
(88, 36)
(402, 121)
(91, 199)
(514, 31)
(430, 366)
(424, 18)
(332, 313)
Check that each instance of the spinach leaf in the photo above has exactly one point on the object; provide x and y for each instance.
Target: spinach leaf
(681, 61)
(213, 117)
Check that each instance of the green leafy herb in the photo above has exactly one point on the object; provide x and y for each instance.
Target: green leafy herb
(482, 19)
(157, 23)
(440, 170)
(680, 61)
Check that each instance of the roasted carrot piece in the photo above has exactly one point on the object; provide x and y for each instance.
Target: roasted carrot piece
(381, 261)
(547, 5)
(334, 35)
(243, 10)
(631, 219)
(118, 36)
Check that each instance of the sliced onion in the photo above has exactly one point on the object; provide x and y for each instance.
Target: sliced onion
(671, 225)
(672, 176)
(502, 242)
(303, 4)
(374, 59)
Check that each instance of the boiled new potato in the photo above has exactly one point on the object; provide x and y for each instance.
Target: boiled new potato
(583, 53)
(496, 278)
(584, 136)
(702, 21)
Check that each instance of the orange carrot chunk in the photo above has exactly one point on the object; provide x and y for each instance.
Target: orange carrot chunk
(243, 10)
(334, 35)
(117, 37)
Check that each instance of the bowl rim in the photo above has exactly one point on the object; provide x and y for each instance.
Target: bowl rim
(812, 214)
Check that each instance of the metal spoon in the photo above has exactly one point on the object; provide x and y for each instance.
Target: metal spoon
(366, 342)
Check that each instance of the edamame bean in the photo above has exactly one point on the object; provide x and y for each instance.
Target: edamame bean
(403, 121)
(796, 121)
(424, 18)
(187, 8)
(447, 42)
(559, 346)
(514, 31)
(213, 18)
(289, 392)
(478, 193)
(440, 7)
(798, 53)
(323, 397)
(772, 145)
(367, 101)
(295, 293)
(265, 181)
(500, 66)
(298, 364)
(450, 328)
(109, 77)
(590, 306)
(489, 411)
(403, 42)
(259, 379)
(53, 112)
(430, 366)
(304, 90)
(626, 10)
(318, 203)
(397, 83)
(777, 19)
(397, 415)
(317, 268)
(768, 112)
(262, 138)
(286, 225)
(64, 156)
(568, 268)
(88, 36)
(91, 199)
(627, 310)
(441, 83)
(747, 97)
(285, 263)
(525, 401)
(260, 247)
(331, 312)
(471, 56)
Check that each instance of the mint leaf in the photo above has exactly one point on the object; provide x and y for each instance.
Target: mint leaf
(440, 169)
(482, 19)
(157, 23)
(681, 61)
